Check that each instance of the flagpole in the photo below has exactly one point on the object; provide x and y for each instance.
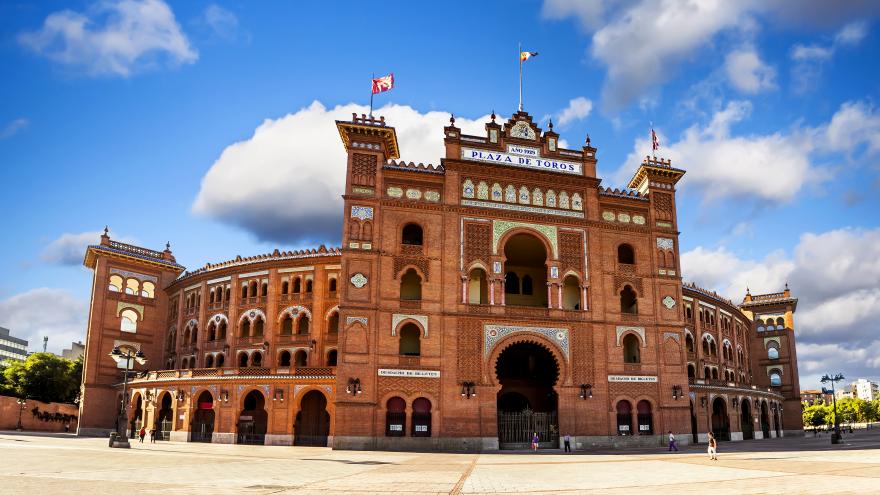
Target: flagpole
(519, 56)
(372, 76)
(653, 148)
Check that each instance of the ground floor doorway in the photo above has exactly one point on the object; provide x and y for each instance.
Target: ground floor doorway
(527, 403)
(312, 421)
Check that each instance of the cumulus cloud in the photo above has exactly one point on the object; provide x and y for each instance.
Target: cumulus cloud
(773, 167)
(284, 183)
(69, 249)
(809, 59)
(835, 275)
(13, 128)
(747, 72)
(113, 38)
(588, 13)
(578, 109)
(55, 313)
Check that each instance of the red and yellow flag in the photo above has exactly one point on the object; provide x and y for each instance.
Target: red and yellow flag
(523, 56)
(384, 83)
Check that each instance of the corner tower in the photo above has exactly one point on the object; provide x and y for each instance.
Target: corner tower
(128, 310)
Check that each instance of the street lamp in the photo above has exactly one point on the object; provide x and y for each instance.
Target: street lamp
(122, 420)
(22, 403)
(835, 437)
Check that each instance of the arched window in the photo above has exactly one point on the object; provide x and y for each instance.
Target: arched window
(626, 255)
(244, 291)
(332, 285)
(302, 326)
(264, 290)
(284, 359)
(624, 418)
(211, 296)
(115, 283)
(354, 230)
(258, 327)
(707, 373)
(221, 332)
(526, 287)
(308, 286)
(411, 286)
(257, 359)
(212, 332)
(395, 417)
(714, 373)
(226, 298)
(692, 371)
(252, 289)
(646, 423)
(478, 287)
(411, 235)
(333, 324)
(689, 343)
(195, 335)
(245, 328)
(775, 378)
(367, 231)
(511, 283)
(688, 313)
(301, 359)
(297, 285)
(773, 350)
(780, 322)
(628, 302)
(220, 359)
(129, 321)
(285, 287)
(571, 293)
(421, 417)
(631, 349)
(410, 344)
(132, 287)
(148, 290)
(242, 360)
(209, 361)
(331, 357)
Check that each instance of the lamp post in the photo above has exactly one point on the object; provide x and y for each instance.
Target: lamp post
(835, 437)
(122, 420)
(22, 403)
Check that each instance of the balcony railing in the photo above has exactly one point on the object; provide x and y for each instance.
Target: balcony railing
(303, 371)
(219, 305)
(252, 339)
(252, 301)
(409, 360)
(410, 304)
(299, 297)
(212, 345)
(295, 339)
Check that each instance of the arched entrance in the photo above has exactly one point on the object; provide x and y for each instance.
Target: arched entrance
(748, 428)
(720, 419)
(765, 420)
(694, 437)
(137, 416)
(777, 420)
(312, 421)
(203, 420)
(253, 420)
(645, 418)
(527, 403)
(165, 418)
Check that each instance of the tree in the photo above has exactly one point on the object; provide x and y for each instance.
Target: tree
(816, 414)
(44, 376)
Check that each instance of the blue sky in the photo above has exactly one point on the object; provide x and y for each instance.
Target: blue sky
(160, 119)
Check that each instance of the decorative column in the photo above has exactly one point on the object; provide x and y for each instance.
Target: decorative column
(464, 289)
(559, 294)
(491, 292)
(584, 298)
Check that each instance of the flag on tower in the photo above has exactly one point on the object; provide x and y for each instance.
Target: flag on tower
(384, 83)
(655, 141)
(523, 56)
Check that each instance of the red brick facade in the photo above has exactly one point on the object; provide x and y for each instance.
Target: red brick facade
(502, 285)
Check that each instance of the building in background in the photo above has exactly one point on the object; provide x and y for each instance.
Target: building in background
(810, 397)
(76, 351)
(864, 389)
(11, 347)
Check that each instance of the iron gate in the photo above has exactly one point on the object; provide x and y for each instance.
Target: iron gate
(515, 429)
(164, 432)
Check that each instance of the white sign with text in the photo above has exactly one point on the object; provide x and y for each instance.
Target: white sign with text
(519, 156)
(410, 373)
(632, 378)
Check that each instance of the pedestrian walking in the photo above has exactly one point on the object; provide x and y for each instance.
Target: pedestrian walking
(142, 433)
(713, 447)
(535, 442)
(152, 435)
(672, 445)
(66, 427)
(567, 442)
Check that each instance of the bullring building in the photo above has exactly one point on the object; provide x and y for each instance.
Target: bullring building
(501, 292)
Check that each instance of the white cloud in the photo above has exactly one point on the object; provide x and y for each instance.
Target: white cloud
(55, 313)
(643, 45)
(222, 21)
(747, 72)
(13, 128)
(113, 38)
(69, 249)
(588, 13)
(300, 163)
(809, 59)
(835, 275)
(774, 167)
(578, 108)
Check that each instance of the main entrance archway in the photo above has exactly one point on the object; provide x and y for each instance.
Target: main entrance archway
(765, 420)
(203, 420)
(312, 421)
(166, 416)
(527, 403)
(253, 419)
(720, 420)
(748, 428)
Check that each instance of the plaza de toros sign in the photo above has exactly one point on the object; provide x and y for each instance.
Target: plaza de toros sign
(521, 156)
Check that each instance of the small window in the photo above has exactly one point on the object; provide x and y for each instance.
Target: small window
(242, 360)
(527, 285)
(297, 285)
(284, 359)
(308, 286)
(287, 325)
(132, 287)
(411, 286)
(302, 326)
(285, 287)
(148, 290)
(511, 283)
(332, 285)
(252, 289)
(775, 379)
(626, 255)
(331, 358)
(264, 291)
(628, 301)
(333, 324)
(412, 235)
(115, 283)
(410, 344)
(129, 321)
(300, 359)
(773, 352)
(244, 291)
(631, 354)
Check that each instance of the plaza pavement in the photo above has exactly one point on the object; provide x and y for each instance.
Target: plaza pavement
(50, 464)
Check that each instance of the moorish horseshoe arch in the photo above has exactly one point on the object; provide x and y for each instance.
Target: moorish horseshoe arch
(502, 231)
(252, 314)
(295, 312)
(490, 358)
